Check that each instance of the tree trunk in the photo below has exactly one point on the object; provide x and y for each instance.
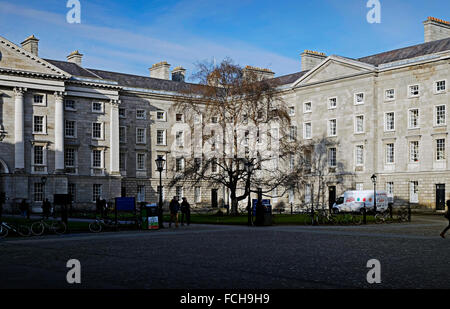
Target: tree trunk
(234, 206)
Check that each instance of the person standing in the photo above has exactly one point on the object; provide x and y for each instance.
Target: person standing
(185, 211)
(23, 208)
(46, 206)
(174, 207)
(447, 216)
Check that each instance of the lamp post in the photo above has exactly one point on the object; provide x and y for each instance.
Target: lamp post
(43, 182)
(374, 180)
(160, 167)
(249, 168)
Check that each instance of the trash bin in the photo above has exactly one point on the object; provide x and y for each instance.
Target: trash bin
(150, 217)
(267, 215)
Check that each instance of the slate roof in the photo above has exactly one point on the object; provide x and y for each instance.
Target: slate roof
(72, 68)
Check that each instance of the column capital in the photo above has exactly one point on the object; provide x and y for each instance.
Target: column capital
(19, 91)
(115, 103)
(60, 94)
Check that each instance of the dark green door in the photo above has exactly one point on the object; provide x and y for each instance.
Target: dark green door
(440, 197)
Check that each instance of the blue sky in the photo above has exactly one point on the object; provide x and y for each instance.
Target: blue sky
(129, 36)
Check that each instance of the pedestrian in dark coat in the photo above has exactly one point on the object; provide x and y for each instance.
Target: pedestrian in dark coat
(46, 206)
(174, 208)
(447, 216)
(185, 211)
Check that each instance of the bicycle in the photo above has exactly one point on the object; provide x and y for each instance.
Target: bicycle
(384, 217)
(58, 227)
(99, 223)
(20, 229)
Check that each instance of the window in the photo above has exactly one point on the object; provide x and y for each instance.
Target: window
(414, 192)
(179, 164)
(389, 95)
(292, 111)
(179, 138)
(161, 137)
(292, 133)
(291, 196)
(414, 152)
(122, 113)
(38, 193)
(332, 127)
(69, 105)
(97, 130)
(307, 107)
(140, 161)
(197, 118)
(38, 99)
(140, 136)
(96, 192)
(70, 128)
(308, 193)
(123, 161)
(359, 98)
(390, 153)
(332, 157)
(214, 165)
(39, 155)
(214, 119)
(389, 124)
(141, 193)
(123, 134)
(413, 117)
(70, 157)
(179, 117)
(359, 155)
(359, 186)
(413, 90)
(197, 163)
(39, 124)
(390, 188)
(72, 190)
(97, 107)
(440, 149)
(332, 103)
(141, 114)
(179, 192)
(307, 131)
(291, 162)
(440, 86)
(97, 160)
(161, 116)
(440, 115)
(359, 124)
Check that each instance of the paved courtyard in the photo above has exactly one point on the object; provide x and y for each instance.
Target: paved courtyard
(412, 255)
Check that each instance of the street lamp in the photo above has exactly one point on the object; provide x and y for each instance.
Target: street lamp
(249, 168)
(374, 180)
(160, 167)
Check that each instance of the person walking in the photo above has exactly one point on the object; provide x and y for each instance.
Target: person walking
(185, 211)
(46, 206)
(447, 216)
(174, 207)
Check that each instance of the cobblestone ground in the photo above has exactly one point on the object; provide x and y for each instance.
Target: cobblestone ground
(412, 255)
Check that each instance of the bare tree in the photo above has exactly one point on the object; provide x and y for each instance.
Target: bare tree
(239, 131)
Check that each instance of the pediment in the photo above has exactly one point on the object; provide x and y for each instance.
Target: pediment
(16, 58)
(334, 67)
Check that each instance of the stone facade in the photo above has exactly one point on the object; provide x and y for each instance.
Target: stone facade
(69, 129)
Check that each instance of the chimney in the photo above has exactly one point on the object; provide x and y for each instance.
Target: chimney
(311, 58)
(436, 29)
(178, 74)
(31, 44)
(75, 57)
(260, 73)
(160, 70)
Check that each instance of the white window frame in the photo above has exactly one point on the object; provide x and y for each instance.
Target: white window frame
(100, 192)
(164, 114)
(436, 91)
(355, 98)
(329, 127)
(142, 117)
(144, 141)
(164, 136)
(387, 153)
(414, 153)
(44, 125)
(70, 108)
(409, 118)
(74, 128)
(197, 194)
(40, 194)
(304, 130)
(124, 139)
(44, 99)
(363, 124)
(125, 112)
(182, 118)
(144, 162)
(436, 116)
(179, 191)
(329, 157)
(181, 167)
(414, 191)
(386, 122)
(102, 159)
(390, 188)
(75, 157)
(102, 105)
(359, 146)
(444, 152)
(291, 110)
(140, 194)
(305, 111)
(179, 138)
(410, 95)
(329, 103)
(386, 98)
(102, 135)
(292, 133)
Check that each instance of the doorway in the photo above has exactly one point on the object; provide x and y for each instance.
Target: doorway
(331, 196)
(214, 202)
(440, 197)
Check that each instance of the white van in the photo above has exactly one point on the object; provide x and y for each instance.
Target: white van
(354, 201)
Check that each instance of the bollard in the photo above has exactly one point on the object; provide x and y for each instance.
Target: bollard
(409, 212)
(364, 214)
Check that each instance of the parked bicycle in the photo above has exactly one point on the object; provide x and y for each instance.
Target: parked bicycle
(385, 217)
(99, 223)
(58, 227)
(19, 229)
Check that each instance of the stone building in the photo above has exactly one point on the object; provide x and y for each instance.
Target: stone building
(65, 128)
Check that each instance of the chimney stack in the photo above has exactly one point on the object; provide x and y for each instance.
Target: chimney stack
(31, 44)
(160, 70)
(75, 57)
(311, 58)
(436, 29)
(260, 73)
(179, 74)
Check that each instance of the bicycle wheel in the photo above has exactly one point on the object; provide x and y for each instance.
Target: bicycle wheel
(37, 228)
(58, 227)
(23, 230)
(3, 231)
(95, 227)
(379, 218)
(356, 219)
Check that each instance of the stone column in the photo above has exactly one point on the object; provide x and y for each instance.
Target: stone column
(114, 138)
(59, 132)
(19, 140)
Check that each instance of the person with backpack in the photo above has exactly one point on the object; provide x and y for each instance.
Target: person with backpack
(447, 216)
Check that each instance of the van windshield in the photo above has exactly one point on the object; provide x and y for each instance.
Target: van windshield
(340, 200)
